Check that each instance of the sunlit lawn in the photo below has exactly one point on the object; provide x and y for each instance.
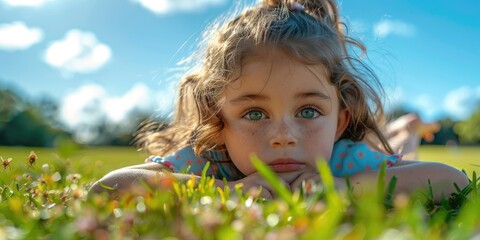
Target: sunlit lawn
(467, 158)
(48, 201)
(106, 159)
(92, 161)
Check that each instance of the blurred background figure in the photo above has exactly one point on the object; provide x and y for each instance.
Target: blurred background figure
(406, 133)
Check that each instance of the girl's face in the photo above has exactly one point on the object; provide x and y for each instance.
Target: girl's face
(285, 112)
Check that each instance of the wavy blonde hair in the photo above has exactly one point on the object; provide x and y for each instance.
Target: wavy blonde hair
(313, 35)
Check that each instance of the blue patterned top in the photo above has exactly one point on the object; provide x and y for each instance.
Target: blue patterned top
(347, 158)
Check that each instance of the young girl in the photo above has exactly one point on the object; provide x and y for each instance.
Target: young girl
(282, 81)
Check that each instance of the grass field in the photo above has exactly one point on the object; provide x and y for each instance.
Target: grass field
(49, 201)
(92, 161)
(467, 158)
(101, 160)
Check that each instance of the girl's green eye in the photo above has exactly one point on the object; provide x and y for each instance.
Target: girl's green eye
(308, 113)
(254, 115)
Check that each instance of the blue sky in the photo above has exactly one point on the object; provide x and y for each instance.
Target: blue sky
(107, 58)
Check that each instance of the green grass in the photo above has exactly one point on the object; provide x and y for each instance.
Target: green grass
(48, 201)
(106, 159)
(467, 158)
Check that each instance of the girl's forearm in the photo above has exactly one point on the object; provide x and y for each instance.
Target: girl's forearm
(136, 178)
(415, 176)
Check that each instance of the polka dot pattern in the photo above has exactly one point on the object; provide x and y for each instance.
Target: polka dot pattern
(350, 157)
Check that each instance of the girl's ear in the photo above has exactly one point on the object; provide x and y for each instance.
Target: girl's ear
(342, 123)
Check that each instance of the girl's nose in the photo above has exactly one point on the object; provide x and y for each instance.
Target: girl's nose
(283, 136)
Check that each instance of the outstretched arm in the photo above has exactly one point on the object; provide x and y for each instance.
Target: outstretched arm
(413, 176)
(132, 177)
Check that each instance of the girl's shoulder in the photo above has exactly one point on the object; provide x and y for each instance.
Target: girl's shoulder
(186, 161)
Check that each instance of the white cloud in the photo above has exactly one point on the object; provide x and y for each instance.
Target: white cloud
(423, 103)
(78, 52)
(387, 27)
(460, 103)
(83, 106)
(138, 99)
(18, 36)
(167, 6)
(90, 106)
(25, 3)
(427, 107)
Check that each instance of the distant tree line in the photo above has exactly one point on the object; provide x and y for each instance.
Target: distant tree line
(469, 130)
(24, 123)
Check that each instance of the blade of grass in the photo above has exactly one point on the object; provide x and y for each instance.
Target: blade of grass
(325, 225)
(474, 183)
(467, 220)
(329, 184)
(381, 182)
(203, 179)
(107, 187)
(273, 180)
(390, 192)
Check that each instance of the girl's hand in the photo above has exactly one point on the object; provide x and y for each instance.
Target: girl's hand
(313, 176)
(255, 181)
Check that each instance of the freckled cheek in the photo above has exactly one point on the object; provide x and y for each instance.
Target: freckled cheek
(241, 141)
(311, 131)
(245, 135)
(253, 136)
(318, 141)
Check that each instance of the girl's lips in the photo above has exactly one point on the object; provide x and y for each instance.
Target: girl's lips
(286, 165)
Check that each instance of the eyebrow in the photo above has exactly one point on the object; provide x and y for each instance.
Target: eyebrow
(320, 95)
(248, 97)
(253, 97)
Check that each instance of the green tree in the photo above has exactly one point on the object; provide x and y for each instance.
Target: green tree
(446, 135)
(25, 124)
(28, 128)
(469, 130)
(10, 104)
